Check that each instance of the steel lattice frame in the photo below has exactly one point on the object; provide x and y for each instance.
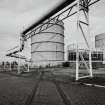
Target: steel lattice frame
(80, 5)
(83, 10)
(68, 12)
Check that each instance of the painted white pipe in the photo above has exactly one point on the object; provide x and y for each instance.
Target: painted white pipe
(77, 64)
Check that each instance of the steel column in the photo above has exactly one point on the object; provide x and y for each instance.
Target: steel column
(83, 22)
(77, 63)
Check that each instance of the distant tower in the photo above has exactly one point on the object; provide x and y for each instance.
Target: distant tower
(47, 47)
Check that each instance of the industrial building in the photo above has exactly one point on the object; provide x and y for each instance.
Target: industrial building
(96, 55)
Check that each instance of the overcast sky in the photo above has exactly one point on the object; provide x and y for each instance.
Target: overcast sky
(16, 15)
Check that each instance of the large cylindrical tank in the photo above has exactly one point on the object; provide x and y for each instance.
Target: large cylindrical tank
(100, 43)
(47, 47)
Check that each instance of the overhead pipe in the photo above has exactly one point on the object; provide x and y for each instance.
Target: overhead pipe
(18, 50)
(49, 14)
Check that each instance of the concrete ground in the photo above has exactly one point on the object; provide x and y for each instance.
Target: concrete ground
(84, 95)
(16, 89)
(47, 94)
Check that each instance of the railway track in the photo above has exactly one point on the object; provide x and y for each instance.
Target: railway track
(62, 94)
(31, 96)
(66, 101)
(47, 91)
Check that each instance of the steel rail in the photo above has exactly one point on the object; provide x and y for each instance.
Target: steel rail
(61, 92)
(31, 96)
(66, 101)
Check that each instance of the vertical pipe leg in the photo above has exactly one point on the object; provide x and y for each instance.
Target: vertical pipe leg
(90, 55)
(83, 20)
(19, 59)
(18, 65)
(77, 64)
(77, 53)
(10, 67)
(90, 64)
(4, 66)
(28, 68)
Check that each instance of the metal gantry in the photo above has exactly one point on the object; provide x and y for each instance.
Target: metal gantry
(63, 11)
(61, 15)
(81, 8)
(83, 29)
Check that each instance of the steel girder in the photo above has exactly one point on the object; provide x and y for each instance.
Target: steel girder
(40, 26)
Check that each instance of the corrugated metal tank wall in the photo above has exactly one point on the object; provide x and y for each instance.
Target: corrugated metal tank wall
(100, 43)
(48, 46)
